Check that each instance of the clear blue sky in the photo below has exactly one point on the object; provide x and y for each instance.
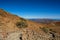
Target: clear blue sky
(32, 8)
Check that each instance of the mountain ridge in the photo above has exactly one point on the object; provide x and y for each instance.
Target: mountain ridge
(45, 20)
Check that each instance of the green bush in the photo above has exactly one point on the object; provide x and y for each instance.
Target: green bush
(45, 29)
(21, 24)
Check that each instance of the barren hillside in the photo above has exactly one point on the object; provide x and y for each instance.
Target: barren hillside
(13, 27)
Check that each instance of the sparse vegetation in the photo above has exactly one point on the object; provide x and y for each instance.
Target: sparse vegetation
(14, 14)
(45, 29)
(22, 19)
(52, 31)
(1, 14)
(21, 24)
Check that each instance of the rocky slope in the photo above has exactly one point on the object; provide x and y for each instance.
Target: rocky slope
(13, 27)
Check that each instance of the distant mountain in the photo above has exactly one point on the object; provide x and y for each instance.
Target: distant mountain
(45, 20)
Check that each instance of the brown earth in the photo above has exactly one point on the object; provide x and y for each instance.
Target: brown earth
(13, 27)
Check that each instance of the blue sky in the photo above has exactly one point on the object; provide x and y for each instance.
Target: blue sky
(32, 8)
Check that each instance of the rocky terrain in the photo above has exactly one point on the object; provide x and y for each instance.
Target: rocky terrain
(13, 27)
